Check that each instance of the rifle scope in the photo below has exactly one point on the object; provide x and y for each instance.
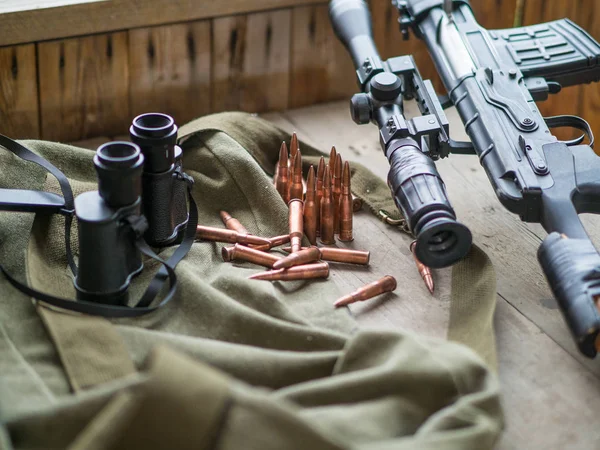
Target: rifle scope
(417, 188)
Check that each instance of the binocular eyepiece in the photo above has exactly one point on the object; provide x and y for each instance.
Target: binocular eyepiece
(156, 134)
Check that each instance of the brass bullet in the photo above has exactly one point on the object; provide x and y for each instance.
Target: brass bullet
(319, 192)
(294, 146)
(221, 235)
(241, 252)
(332, 158)
(282, 183)
(310, 209)
(232, 223)
(273, 242)
(296, 187)
(304, 256)
(336, 192)
(346, 209)
(357, 204)
(385, 284)
(424, 271)
(342, 255)
(327, 232)
(296, 223)
(305, 272)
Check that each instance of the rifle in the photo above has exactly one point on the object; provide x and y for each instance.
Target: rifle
(493, 78)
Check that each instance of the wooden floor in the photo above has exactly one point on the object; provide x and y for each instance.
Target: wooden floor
(551, 393)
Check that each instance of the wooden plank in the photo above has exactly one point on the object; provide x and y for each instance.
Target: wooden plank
(545, 389)
(251, 60)
(84, 84)
(169, 70)
(112, 15)
(321, 68)
(19, 110)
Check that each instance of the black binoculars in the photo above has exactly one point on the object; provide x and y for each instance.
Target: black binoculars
(142, 190)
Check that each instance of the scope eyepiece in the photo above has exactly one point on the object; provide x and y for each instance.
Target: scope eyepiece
(119, 168)
(156, 134)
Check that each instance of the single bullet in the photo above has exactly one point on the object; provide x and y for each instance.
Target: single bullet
(424, 271)
(310, 209)
(327, 232)
(342, 255)
(241, 252)
(297, 188)
(336, 193)
(332, 158)
(282, 183)
(294, 146)
(304, 256)
(357, 204)
(296, 223)
(346, 209)
(385, 284)
(273, 242)
(319, 192)
(233, 237)
(232, 223)
(305, 272)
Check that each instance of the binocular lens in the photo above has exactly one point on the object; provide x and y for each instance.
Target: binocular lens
(153, 125)
(119, 168)
(156, 134)
(118, 154)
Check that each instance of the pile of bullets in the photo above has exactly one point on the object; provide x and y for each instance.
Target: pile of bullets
(312, 212)
(325, 196)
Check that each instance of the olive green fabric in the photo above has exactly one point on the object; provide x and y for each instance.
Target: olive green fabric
(235, 363)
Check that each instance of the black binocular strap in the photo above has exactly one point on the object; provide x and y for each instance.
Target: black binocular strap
(69, 209)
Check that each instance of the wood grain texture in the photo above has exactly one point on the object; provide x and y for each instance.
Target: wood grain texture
(112, 15)
(19, 110)
(251, 62)
(84, 87)
(550, 392)
(321, 68)
(169, 70)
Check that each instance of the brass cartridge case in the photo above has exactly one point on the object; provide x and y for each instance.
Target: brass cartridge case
(342, 255)
(296, 187)
(346, 209)
(310, 209)
(282, 181)
(232, 223)
(305, 272)
(233, 237)
(243, 253)
(424, 271)
(304, 256)
(336, 192)
(385, 284)
(319, 192)
(327, 231)
(296, 223)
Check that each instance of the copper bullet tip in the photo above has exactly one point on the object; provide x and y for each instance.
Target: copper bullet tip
(282, 179)
(297, 187)
(283, 155)
(232, 223)
(346, 176)
(327, 211)
(304, 256)
(332, 158)
(381, 286)
(294, 145)
(424, 271)
(321, 169)
(305, 272)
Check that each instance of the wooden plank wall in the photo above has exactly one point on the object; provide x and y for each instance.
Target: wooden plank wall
(81, 87)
